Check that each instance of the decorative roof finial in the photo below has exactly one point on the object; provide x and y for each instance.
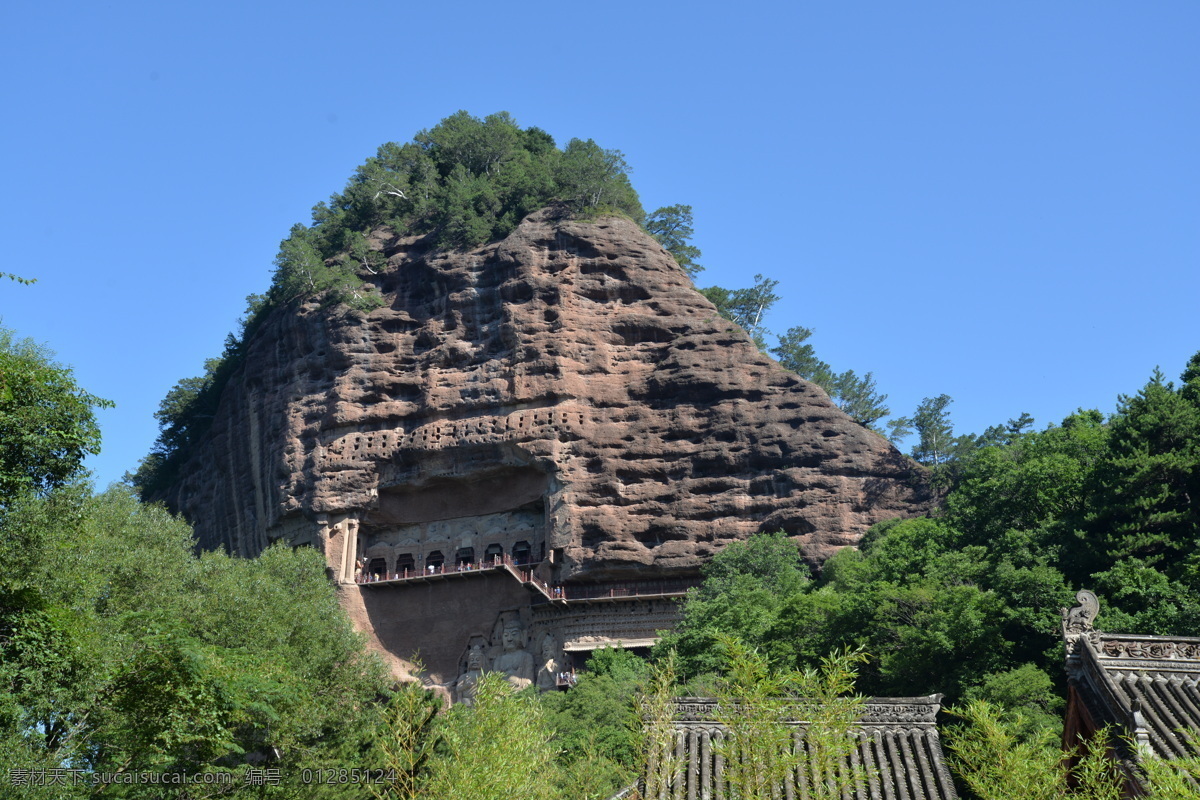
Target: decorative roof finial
(1078, 619)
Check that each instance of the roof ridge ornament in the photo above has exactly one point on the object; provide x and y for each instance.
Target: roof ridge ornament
(1077, 620)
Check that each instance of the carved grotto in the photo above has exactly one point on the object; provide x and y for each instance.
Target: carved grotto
(561, 408)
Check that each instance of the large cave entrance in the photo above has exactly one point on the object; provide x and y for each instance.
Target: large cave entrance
(458, 523)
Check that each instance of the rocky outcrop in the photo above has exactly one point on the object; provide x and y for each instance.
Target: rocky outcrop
(563, 398)
(565, 390)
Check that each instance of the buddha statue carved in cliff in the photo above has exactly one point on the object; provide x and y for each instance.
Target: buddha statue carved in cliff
(464, 687)
(551, 664)
(516, 662)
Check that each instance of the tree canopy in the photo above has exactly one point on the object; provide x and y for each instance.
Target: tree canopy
(47, 422)
(122, 651)
(965, 601)
(463, 182)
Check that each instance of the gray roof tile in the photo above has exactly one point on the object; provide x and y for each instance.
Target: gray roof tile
(898, 754)
(1147, 687)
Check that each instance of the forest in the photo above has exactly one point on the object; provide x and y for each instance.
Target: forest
(125, 652)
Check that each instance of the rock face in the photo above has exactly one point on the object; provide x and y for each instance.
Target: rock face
(563, 395)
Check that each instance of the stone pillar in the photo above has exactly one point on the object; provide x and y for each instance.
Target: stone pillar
(339, 536)
(333, 546)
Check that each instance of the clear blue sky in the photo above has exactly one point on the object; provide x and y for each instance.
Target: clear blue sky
(997, 201)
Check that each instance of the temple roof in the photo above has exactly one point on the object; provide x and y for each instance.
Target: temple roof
(1146, 686)
(898, 753)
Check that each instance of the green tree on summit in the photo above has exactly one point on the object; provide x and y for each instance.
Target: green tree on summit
(591, 178)
(481, 147)
(463, 182)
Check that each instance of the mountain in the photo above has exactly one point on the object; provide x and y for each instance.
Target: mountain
(564, 396)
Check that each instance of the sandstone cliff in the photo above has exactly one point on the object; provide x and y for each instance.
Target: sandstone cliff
(565, 391)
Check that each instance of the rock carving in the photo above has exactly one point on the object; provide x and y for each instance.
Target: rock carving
(516, 662)
(551, 663)
(464, 687)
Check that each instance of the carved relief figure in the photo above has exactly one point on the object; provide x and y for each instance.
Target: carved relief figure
(516, 662)
(464, 687)
(547, 675)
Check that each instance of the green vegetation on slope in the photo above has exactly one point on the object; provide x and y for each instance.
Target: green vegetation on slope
(123, 651)
(965, 602)
(463, 182)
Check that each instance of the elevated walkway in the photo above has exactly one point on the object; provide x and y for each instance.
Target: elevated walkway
(524, 573)
(427, 612)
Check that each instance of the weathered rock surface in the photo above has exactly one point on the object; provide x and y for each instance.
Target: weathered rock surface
(562, 398)
(566, 388)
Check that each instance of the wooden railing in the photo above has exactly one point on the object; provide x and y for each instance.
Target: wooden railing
(496, 563)
(591, 591)
(524, 572)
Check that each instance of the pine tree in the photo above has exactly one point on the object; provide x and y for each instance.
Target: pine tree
(796, 354)
(1144, 495)
(932, 424)
(671, 226)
